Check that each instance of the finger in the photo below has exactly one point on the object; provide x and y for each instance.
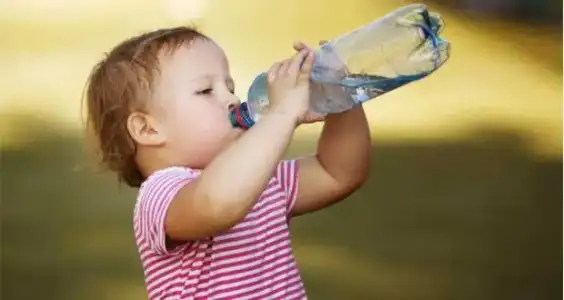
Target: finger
(284, 67)
(297, 62)
(314, 117)
(273, 72)
(299, 46)
(305, 71)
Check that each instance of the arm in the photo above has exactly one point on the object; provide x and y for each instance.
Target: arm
(231, 184)
(223, 195)
(340, 166)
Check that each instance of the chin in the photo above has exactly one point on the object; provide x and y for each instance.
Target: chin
(201, 161)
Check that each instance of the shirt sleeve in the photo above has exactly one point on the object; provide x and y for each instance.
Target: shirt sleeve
(155, 196)
(287, 175)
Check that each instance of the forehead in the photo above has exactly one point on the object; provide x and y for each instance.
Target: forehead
(195, 59)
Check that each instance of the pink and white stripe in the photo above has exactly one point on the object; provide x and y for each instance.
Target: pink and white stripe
(254, 260)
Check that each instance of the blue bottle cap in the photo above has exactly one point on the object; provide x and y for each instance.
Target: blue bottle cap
(240, 117)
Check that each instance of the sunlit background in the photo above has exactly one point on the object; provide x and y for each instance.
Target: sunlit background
(465, 195)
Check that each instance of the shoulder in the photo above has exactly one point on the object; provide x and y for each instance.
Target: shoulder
(166, 177)
(153, 200)
(164, 184)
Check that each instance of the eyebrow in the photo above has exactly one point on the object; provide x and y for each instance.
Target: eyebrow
(228, 79)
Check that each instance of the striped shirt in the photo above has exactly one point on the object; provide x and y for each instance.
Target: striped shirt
(253, 260)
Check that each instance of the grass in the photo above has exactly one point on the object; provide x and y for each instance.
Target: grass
(473, 218)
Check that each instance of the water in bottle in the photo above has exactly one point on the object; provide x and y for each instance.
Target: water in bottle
(399, 48)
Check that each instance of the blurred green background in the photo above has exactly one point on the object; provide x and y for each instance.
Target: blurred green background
(465, 195)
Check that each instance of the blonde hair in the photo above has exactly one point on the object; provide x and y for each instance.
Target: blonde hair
(121, 83)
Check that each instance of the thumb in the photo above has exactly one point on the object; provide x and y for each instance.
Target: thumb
(306, 68)
(312, 117)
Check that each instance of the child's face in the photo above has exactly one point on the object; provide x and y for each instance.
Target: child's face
(194, 93)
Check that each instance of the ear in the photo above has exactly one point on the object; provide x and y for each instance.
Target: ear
(145, 129)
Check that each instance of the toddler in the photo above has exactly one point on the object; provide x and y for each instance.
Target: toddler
(214, 203)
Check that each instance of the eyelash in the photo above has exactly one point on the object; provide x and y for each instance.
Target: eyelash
(209, 90)
(205, 91)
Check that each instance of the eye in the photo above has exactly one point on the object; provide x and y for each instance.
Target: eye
(205, 91)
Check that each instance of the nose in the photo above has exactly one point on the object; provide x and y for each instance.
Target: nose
(232, 102)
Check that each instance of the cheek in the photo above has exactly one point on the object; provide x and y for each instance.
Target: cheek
(213, 128)
(203, 124)
(202, 140)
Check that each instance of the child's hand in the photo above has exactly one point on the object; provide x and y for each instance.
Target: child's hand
(310, 117)
(336, 63)
(299, 45)
(288, 86)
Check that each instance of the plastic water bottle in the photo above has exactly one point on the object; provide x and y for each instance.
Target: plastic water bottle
(399, 48)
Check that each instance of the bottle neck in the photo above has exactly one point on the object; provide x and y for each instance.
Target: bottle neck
(240, 117)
